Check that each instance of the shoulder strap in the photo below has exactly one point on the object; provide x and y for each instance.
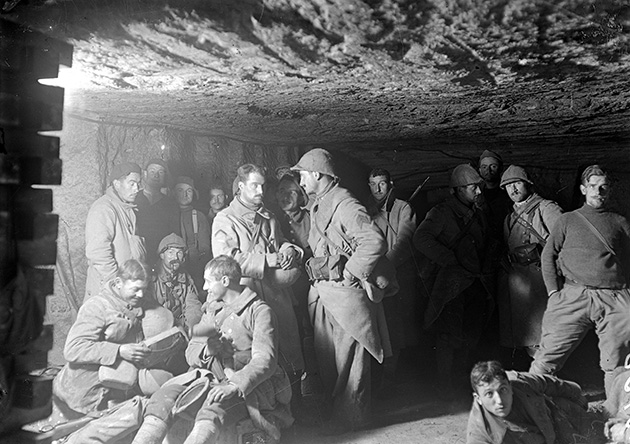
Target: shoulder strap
(598, 234)
(525, 224)
(329, 241)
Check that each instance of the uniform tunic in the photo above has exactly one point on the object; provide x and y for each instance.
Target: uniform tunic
(249, 326)
(104, 322)
(233, 232)
(177, 293)
(397, 221)
(522, 295)
(345, 321)
(111, 238)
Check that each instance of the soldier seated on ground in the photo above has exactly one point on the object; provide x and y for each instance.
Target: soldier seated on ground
(518, 407)
(234, 355)
(106, 360)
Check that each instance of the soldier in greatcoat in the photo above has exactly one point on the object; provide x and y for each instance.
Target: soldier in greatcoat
(453, 238)
(522, 295)
(345, 319)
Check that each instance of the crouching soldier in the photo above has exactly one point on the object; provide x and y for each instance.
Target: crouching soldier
(516, 407)
(237, 341)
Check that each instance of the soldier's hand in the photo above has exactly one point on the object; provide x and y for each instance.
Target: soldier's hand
(136, 353)
(288, 258)
(220, 392)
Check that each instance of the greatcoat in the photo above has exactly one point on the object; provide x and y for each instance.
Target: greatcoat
(347, 324)
(522, 295)
(111, 238)
(104, 322)
(233, 234)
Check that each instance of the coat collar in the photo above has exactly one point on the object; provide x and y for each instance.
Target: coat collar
(240, 209)
(530, 204)
(115, 198)
(459, 208)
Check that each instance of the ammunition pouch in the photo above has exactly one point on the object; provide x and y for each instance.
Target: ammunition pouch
(325, 268)
(525, 254)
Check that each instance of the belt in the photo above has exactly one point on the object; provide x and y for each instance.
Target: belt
(573, 283)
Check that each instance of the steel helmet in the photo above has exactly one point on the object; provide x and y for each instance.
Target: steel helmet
(514, 173)
(463, 175)
(317, 159)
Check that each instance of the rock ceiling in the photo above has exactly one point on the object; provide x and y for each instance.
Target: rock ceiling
(385, 76)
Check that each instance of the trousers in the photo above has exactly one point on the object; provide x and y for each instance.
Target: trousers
(574, 310)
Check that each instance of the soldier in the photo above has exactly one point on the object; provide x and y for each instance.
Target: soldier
(516, 407)
(172, 287)
(585, 266)
(453, 238)
(397, 221)
(111, 235)
(237, 339)
(250, 233)
(295, 222)
(217, 199)
(344, 317)
(158, 214)
(195, 229)
(108, 334)
(522, 297)
(494, 199)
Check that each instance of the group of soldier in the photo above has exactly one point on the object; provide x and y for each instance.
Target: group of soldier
(323, 293)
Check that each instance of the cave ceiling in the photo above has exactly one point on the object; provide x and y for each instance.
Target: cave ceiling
(453, 76)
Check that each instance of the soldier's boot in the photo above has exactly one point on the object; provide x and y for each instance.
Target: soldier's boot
(204, 432)
(152, 431)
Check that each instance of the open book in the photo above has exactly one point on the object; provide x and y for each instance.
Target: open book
(163, 345)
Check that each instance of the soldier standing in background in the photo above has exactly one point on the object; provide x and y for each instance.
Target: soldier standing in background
(195, 230)
(522, 295)
(397, 221)
(453, 237)
(158, 214)
(111, 234)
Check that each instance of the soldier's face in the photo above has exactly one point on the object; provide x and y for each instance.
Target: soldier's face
(217, 199)
(489, 169)
(172, 258)
(379, 187)
(288, 195)
(495, 397)
(184, 194)
(155, 175)
(596, 191)
(215, 286)
(469, 194)
(308, 181)
(252, 191)
(130, 291)
(518, 191)
(127, 187)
